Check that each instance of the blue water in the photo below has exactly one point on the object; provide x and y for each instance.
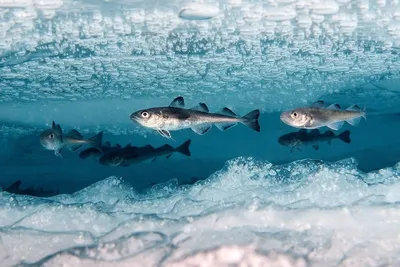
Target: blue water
(241, 198)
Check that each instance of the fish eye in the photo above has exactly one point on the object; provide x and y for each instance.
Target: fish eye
(295, 114)
(144, 114)
(51, 136)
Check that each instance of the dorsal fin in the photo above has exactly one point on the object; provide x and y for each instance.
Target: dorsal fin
(166, 147)
(14, 186)
(201, 107)
(118, 146)
(315, 132)
(128, 146)
(75, 134)
(107, 144)
(148, 147)
(334, 106)
(318, 104)
(59, 128)
(178, 102)
(56, 127)
(228, 112)
(354, 108)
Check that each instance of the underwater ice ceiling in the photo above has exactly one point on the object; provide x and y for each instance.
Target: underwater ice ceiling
(277, 52)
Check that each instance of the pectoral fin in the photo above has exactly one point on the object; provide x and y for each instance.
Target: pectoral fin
(74, 148)
(58, 153)
(294, 147)
(165, 133)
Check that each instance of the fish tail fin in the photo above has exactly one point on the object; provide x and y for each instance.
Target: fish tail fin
(184, 148)
(365, 112)
(251, 120)
(345, 137)
(97, 140)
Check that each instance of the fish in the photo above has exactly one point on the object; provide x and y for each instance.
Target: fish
(317, 115)
(14, 188)
(198, 118)
(94, 152)
(313, 138)
(130, 155)
(54, 139)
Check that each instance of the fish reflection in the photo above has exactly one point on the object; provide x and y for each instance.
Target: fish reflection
(14, 188)
(94, 152)
(130, 155)
(313, 138)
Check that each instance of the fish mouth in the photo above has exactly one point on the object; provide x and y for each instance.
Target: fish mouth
(134, 117)
(281, 141)
(284, 118)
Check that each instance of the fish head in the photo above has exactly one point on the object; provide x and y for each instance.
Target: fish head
(111, 159)
(50, 139)
(289, 140)
(299, 118)
(151, 118)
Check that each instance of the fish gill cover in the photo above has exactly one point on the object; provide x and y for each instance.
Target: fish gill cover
(89, 64)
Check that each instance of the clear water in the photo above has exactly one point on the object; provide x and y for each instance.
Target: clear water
(241, 199)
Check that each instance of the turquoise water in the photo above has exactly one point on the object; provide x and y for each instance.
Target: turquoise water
(242, 198)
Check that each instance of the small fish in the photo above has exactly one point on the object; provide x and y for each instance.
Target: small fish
(54, 139)
(198, 118)
(30, 191)
(93, 152)
(314, 138)
(130, 155)
(317, 115)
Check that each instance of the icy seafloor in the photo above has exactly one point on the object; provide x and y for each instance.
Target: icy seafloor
(89, 64)
(250, 213)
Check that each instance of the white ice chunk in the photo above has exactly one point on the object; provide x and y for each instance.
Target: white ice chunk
(198, 11)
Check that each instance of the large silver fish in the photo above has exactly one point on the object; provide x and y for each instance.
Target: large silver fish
(317, 115)
(198, 118)
(313, 138)
(130, 155)
(54, 139)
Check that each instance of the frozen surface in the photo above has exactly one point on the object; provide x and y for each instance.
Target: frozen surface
(89, 64)
(303, 213)
(266, 54)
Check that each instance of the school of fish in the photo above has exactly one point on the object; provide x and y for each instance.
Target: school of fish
(200, 120)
